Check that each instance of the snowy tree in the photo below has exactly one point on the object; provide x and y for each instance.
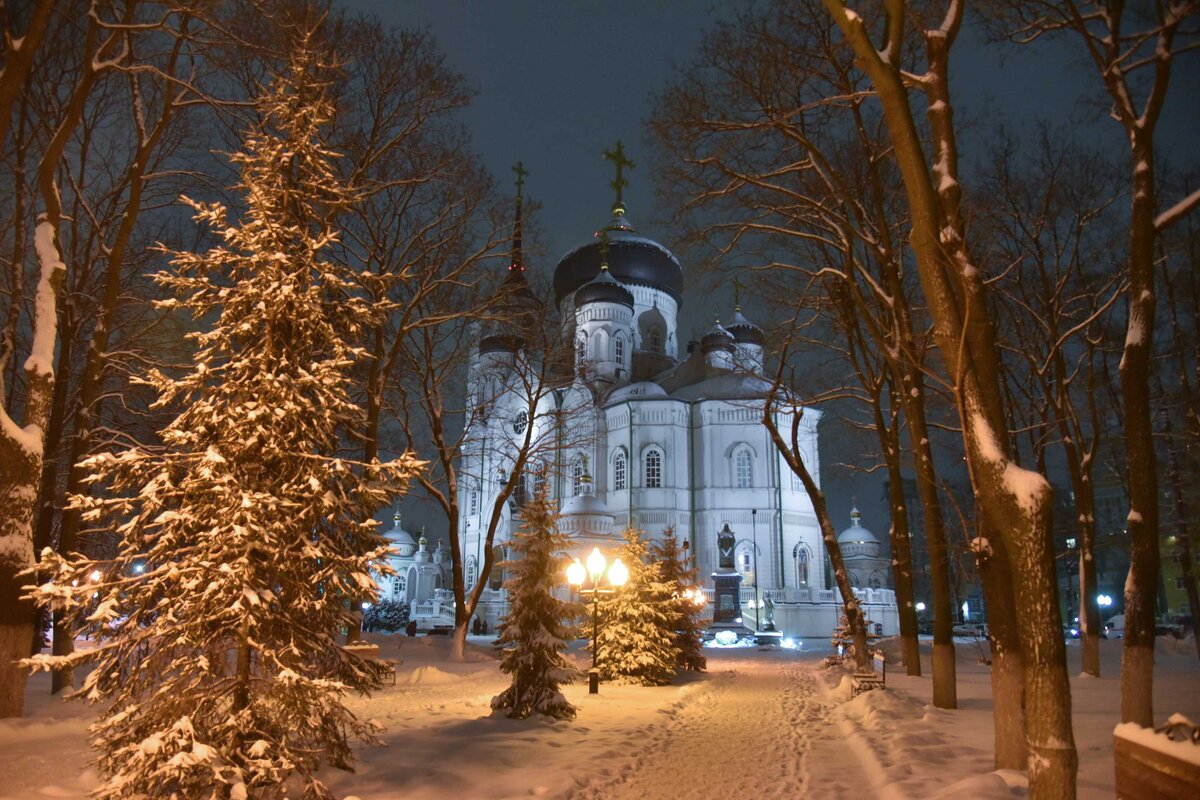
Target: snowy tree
(636, 638)
(533, 637)
(685, 602)
(242, 537)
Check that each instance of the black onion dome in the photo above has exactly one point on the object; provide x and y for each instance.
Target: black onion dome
(501, 343)
(603, 288)
(633, 260)
(744, 331)
(717, 339)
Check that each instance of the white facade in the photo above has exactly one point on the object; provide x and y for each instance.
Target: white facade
(642, 436)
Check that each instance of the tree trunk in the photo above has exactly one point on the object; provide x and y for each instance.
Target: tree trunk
(1014, 502)
(1183, 534)
(901, 553)
(1141, 587)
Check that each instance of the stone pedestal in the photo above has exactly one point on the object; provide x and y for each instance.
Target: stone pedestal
(727, 604)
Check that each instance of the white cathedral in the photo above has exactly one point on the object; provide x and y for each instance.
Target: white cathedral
(651, 433)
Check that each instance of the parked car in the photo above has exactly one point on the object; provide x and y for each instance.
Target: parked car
(973, 629)
(1115, 627)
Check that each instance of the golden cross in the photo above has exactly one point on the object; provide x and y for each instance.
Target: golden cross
(617, 156)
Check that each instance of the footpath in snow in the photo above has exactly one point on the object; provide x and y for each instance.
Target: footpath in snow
(761, 723)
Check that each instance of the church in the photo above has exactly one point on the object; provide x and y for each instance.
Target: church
(651, 432)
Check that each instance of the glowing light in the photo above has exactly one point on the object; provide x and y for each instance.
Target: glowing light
(576, 573)
(139, 568)
(365, 606)
(596, 563)
(1104, 600)
(95, 576)
(920, 606)
(617, 573)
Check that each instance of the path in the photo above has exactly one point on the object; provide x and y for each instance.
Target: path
(752, 730)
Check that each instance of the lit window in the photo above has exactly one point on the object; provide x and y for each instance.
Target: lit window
(653, 469)
(620, 468)
(744, 558)
(800, 554)
(1070, 544)
(744, 469)
(577, 475)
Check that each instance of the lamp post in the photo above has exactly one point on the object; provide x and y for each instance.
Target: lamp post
(577, 573)
(754, 543)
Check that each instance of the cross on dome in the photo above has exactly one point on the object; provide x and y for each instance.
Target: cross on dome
(620, 161)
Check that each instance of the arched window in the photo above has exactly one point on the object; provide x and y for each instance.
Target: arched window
(577, 475)
(620, 471)
(496, 579)
(619, 350)
(472, 571)
(652, 467)
(743, 468)
(656, 340)
(474, 504)
(745, 560)
(401, 584)
(580, 348)
(800, 557)
(876, 580)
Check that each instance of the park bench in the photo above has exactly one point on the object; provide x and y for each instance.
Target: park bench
(370, 652)
(1157, 764)
(875, 678)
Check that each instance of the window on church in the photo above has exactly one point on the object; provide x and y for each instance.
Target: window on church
(472, 571)
(539, 481)
(800, 556)
(653, 468)
(577, 475)
(400, 584)
(496, 579)
(619, 350)
(474, 504)
(656, 340)
(743, 469)
(620, 472)
(746, 560)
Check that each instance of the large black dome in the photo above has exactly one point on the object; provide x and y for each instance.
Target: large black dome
(633, 260)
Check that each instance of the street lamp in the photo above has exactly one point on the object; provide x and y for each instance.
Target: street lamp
(577, 574)
(754, 542)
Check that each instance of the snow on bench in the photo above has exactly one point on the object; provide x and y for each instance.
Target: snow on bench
(876, 678)
(1157, 764)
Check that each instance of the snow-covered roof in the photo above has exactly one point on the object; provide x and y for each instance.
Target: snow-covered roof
(639, 390)
(731, 386)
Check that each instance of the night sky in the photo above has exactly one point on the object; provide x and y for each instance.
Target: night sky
(559, 81)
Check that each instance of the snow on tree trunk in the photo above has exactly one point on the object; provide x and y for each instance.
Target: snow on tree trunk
(1014, 502)
(21, 454)
(534, 635)
(636, 639)
(244, 536)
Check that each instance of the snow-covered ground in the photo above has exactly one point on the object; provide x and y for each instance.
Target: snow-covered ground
(763, 723)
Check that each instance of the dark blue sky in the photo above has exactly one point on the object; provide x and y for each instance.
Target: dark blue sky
(560, 80)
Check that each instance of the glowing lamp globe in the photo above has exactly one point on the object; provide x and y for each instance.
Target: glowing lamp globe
(596, 563)
(618, 573)
(576, 573)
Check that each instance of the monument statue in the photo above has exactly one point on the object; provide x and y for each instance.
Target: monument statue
(725, 541)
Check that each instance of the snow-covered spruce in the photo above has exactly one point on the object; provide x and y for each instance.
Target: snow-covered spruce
(242, 540)
(534, 636)
(685, 623)
(637, 635)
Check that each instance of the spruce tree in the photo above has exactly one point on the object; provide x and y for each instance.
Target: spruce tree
(636, 642)
(534, 635)
(243, 536)
(684, 607)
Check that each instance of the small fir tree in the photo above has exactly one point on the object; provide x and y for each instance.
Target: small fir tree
(242, 537)
(533, 637)
(685, 606)
(636, 638)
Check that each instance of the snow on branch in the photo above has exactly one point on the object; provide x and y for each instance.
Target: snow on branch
(1176, 212)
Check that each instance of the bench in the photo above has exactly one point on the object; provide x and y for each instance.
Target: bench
(876, 678)
(370, 652)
